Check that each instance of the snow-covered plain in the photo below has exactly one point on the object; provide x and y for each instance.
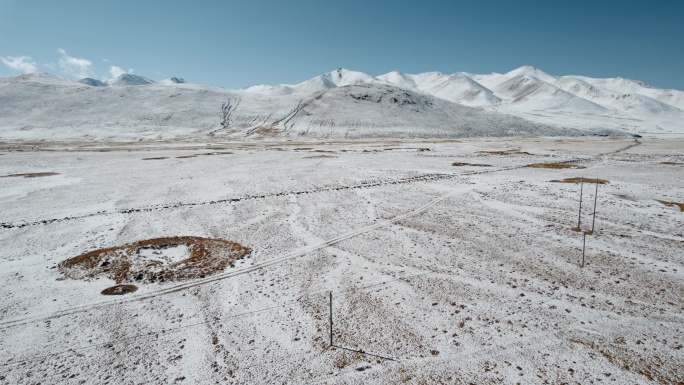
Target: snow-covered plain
(460, 274)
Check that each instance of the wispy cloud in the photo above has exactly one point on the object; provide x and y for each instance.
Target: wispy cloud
(116, 71)
(20, 63)
(74, 66)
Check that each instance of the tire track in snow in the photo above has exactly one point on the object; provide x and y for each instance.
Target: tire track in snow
(171, 206)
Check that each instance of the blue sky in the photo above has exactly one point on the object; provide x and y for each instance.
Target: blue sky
(241, 43)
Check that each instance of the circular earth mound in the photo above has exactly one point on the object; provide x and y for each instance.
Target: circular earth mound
(156, 260)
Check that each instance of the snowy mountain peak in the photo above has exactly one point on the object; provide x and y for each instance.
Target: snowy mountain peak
(338, 78)
(342, 77)
(398, 78)
(531, 71)
(130, 80)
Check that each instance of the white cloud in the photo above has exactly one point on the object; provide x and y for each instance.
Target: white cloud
(116, 71)
(74, 66)
(20, 63)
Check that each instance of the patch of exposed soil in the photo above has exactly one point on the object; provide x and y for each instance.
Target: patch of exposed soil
(157, 158)
(506, 152)
(156, 260)
(579, 179)
(31, 174)
(459, 164)
(555, 165)
(672, 204)
(186, 156)
(672, 163)
(319, 156)
(119, 290)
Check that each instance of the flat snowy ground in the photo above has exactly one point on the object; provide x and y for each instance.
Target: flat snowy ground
(460, 274)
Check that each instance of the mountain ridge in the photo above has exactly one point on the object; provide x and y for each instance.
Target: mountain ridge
(328, 105)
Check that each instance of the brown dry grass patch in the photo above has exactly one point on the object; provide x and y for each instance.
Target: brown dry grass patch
(580, 180)
(459, 164)
(124, 264)
(31, 174)
(555, 165)
(267, 130)
(672, 204)
(505, 152)
(119, 290)
(157, 158)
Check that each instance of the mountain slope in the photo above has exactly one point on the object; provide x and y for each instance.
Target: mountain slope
(366, 110)
(458, 88)
(463, 90)
(526, 92)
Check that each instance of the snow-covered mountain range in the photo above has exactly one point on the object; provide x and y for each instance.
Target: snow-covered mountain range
(528, 92)
(341, 103)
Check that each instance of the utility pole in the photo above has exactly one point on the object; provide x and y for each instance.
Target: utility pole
(593, 219)
(579, 216)
(584, 242)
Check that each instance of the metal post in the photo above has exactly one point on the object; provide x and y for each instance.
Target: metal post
(584, 243)
(593, 219)
(579, 216)
(331, 326)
